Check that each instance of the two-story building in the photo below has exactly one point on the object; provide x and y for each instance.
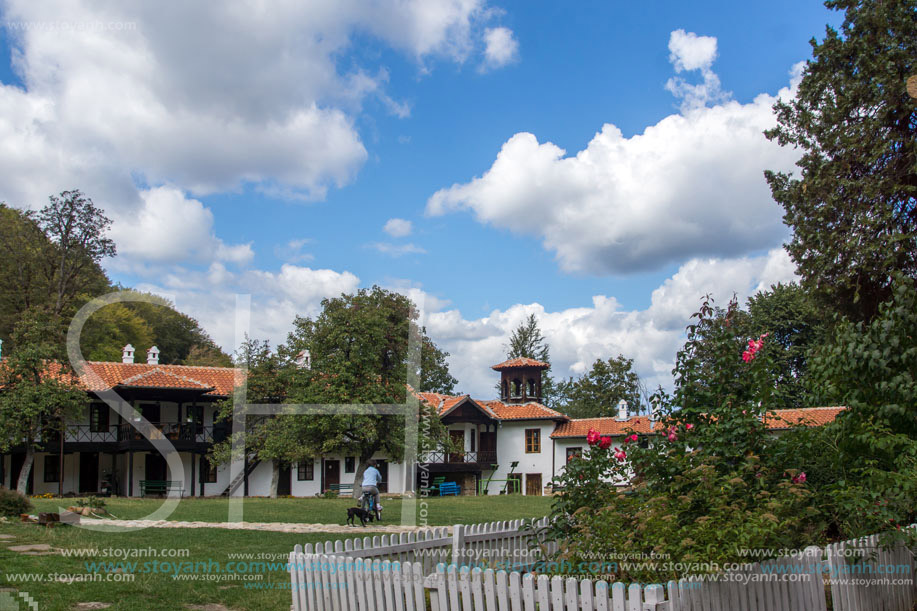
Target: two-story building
(510, 445)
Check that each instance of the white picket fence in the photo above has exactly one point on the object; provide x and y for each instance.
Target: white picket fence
(432, 570)
(858, 585)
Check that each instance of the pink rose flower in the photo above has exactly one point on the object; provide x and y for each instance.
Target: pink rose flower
(689, 426)
(592, 437)
(800, 478)
(605, 442)
(620, 455)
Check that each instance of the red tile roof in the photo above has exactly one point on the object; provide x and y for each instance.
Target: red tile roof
(103, 375)
(774, 420)
(495, 409)
(521, 362)
(605, 426)
(524, 411)
(811, 416)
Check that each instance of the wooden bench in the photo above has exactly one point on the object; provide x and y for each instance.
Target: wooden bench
(447, 488)
(342, 489)
(160, 486)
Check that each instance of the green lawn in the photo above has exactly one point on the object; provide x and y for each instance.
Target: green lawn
(152, 590)
(438, 511)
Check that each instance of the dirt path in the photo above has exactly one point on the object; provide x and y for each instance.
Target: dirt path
(284, 527)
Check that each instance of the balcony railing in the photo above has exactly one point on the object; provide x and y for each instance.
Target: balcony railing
(124, 432)
(439, 458)
(174, 431)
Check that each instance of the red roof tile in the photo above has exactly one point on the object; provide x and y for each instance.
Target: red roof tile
(810, 416)
(605, 426)
(521, 362)
(774, 420)
(103, 375)
(495, 409)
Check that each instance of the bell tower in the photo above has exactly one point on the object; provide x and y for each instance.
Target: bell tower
(520, 380)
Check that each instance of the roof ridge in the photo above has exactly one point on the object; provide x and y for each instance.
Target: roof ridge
(167, 365)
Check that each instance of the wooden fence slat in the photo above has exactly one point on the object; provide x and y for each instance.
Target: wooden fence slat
(586, 595)
(490, 597)
(635, 597)
(502, 591)
(477, 589)
(465, 588)
(557, 593)
(544, 592)
(515, 591)
(528, 592)
(571, 594)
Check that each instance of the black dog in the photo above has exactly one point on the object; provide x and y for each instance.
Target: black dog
(358, 512)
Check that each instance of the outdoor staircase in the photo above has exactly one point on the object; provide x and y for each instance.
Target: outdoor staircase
(239, 479)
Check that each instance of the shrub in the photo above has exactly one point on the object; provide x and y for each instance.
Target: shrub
(12, 503)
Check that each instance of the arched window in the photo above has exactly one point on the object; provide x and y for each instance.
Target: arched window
(530, 389)
(517, 388)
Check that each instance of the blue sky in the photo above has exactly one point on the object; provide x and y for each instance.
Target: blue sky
(265, 153)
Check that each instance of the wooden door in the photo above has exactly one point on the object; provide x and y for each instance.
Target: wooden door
(458, 441)
(89, 472)
(284, 480)
(382, 466)
(155, 467)
(331, 474)
(487, 447)
(533, 484)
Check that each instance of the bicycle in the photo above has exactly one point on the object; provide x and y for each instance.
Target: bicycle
(368, 503)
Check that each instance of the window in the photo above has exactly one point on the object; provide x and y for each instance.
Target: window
(350, 464)
(531, 389)
(473, 439)
(208, 471)
(98, 418)
(517, 388)
(532, 441)
(305, 471)
(52, 468)
(574, 452)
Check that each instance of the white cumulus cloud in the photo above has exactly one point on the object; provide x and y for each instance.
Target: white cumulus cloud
(501, 48)
(398, 228)
(691, 185)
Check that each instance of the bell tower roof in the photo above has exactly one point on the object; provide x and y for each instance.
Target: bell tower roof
(521, 362)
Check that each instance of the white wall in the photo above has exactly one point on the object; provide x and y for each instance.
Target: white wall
(511, 447)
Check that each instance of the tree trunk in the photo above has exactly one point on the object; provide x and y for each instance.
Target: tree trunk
(275, 478)
(358, 476)
(23, 483)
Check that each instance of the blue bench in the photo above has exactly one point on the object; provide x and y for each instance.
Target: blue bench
(447, 488)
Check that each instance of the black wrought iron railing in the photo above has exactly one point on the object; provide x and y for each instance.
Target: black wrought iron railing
(174, 431)
(439, 457)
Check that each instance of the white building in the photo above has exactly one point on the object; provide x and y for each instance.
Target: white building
(514, 444)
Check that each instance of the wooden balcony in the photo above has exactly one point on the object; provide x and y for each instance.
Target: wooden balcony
(459, 461)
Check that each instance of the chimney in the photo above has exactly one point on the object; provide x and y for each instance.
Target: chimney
(622, 410)
(152, 356)
(304, 360)
(127, 354)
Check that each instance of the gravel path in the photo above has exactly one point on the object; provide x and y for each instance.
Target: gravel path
(283, 527)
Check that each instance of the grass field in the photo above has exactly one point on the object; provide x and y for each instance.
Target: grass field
(261, 583)
(435, 511)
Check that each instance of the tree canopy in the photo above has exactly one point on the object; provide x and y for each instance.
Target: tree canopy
(597, 393)
(853, 208)
(359, 356)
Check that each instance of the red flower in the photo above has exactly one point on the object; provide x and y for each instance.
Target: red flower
(689, 426)
(800, 478)
(620, 455)
(592, 437)
(605, 442)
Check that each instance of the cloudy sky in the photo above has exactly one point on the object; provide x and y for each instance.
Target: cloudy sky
(601, 168)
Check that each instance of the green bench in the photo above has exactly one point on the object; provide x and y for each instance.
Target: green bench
(160, 486)
(342, 489)
(435, 484)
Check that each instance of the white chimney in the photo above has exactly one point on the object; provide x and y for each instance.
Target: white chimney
(127, 354)
(152, 356)
(304, 360)
(622, 410)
